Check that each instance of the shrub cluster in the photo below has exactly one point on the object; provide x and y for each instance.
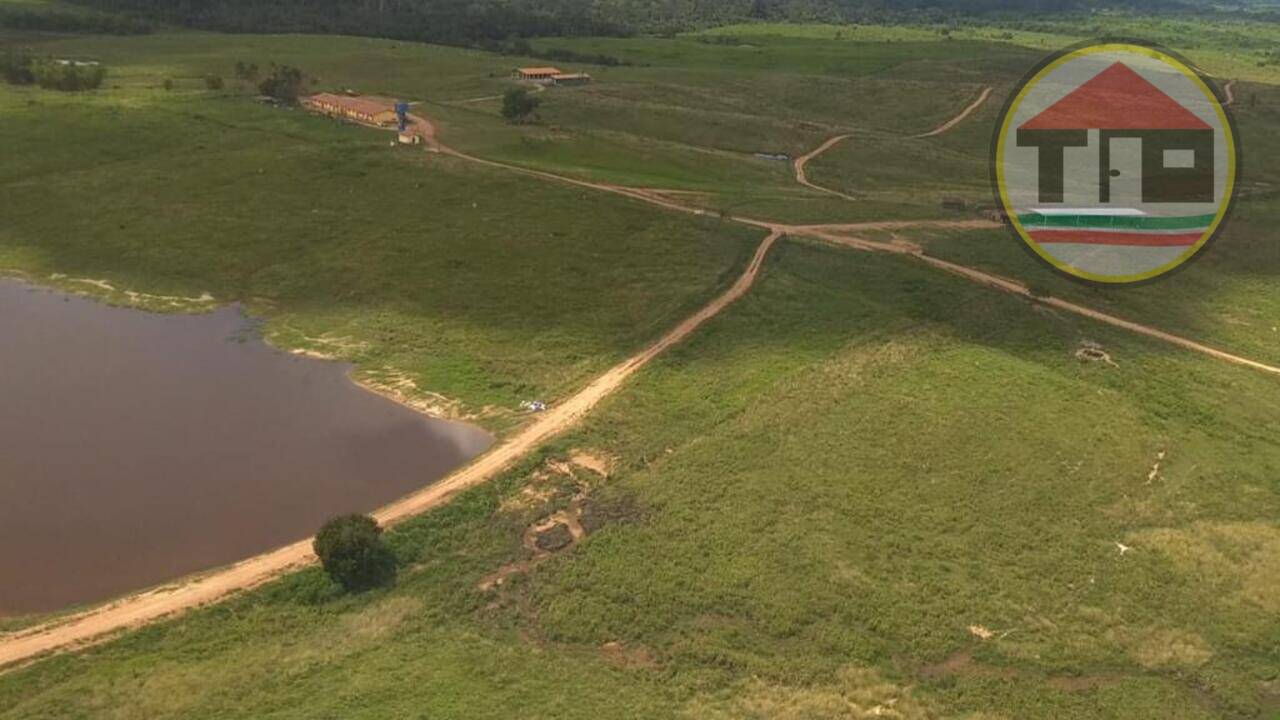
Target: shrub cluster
(283, 83)
(520, 46)
(51, 73)
(518, 105)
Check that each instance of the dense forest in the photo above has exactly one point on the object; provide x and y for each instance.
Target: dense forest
(477, 21)
(45, 19)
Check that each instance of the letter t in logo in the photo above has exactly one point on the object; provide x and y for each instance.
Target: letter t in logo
(1051, 144)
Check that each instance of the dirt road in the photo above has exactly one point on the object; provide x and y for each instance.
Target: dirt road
(800, 162)
(424, 129)
(1016, 288)
(1230, 91)
(982, 97)
(100, 623)
(803, 160)
(568, 413)
(537, 88)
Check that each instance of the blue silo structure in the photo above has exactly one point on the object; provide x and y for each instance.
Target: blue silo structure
(402, 109)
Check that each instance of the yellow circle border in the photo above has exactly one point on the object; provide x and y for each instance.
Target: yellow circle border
(1228, 190)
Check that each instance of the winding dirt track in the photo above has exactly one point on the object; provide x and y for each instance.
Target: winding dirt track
(799, 165)
(803, 160)
(102, 622)
(1016, 288)
(1229, 91)
(99, 623)
(982, 97)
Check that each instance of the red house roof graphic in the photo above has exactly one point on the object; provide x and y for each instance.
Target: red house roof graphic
(1116, 99)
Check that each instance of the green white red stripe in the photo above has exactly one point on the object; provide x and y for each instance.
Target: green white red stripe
(1110, 228)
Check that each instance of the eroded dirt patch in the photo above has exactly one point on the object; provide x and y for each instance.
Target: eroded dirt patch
(596, 462)
(396, 385)
(625, 655)
(1090, 351)
(560, 530)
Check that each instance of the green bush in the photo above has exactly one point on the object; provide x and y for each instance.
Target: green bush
(284, 83)
(16, 69)
(246, 71)
(518, 105)
(351, 550)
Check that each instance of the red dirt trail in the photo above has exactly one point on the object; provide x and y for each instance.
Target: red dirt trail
(803, 160)
(800, 162)
(982, 97)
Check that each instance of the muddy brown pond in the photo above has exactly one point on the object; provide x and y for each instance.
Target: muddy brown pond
(136, 447)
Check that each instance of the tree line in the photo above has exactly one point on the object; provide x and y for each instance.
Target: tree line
(476, 22)
(54, 20)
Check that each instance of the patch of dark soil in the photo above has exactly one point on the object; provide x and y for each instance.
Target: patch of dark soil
(598, 512)
(962, 664)
(1081, 683)
(557, 537)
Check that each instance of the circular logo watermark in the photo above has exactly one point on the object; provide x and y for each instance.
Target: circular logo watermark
(1115, 162)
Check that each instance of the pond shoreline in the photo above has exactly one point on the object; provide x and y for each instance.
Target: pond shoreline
(334, 446)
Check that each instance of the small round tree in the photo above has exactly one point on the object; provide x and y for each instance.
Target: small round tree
(518, 105)
(351, 549)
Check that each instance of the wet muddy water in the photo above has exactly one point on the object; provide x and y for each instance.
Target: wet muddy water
(136, 447)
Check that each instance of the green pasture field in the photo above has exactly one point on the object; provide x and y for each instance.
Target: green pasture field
(812, 503)
(869, 487)
(1226, 298)
(482, 286)
(720, 103)
(685, 116)
(1224, 47)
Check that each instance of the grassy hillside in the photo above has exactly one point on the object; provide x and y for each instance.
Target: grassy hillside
(687, 115)
(482, 287)
(812, 503)
(869, 488)
(1225, 298)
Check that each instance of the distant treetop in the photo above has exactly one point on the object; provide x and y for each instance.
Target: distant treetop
(468, 22)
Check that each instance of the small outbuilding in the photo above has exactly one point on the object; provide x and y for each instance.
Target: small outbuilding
(570, 79)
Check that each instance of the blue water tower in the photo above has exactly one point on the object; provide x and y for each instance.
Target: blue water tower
(402, 109)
